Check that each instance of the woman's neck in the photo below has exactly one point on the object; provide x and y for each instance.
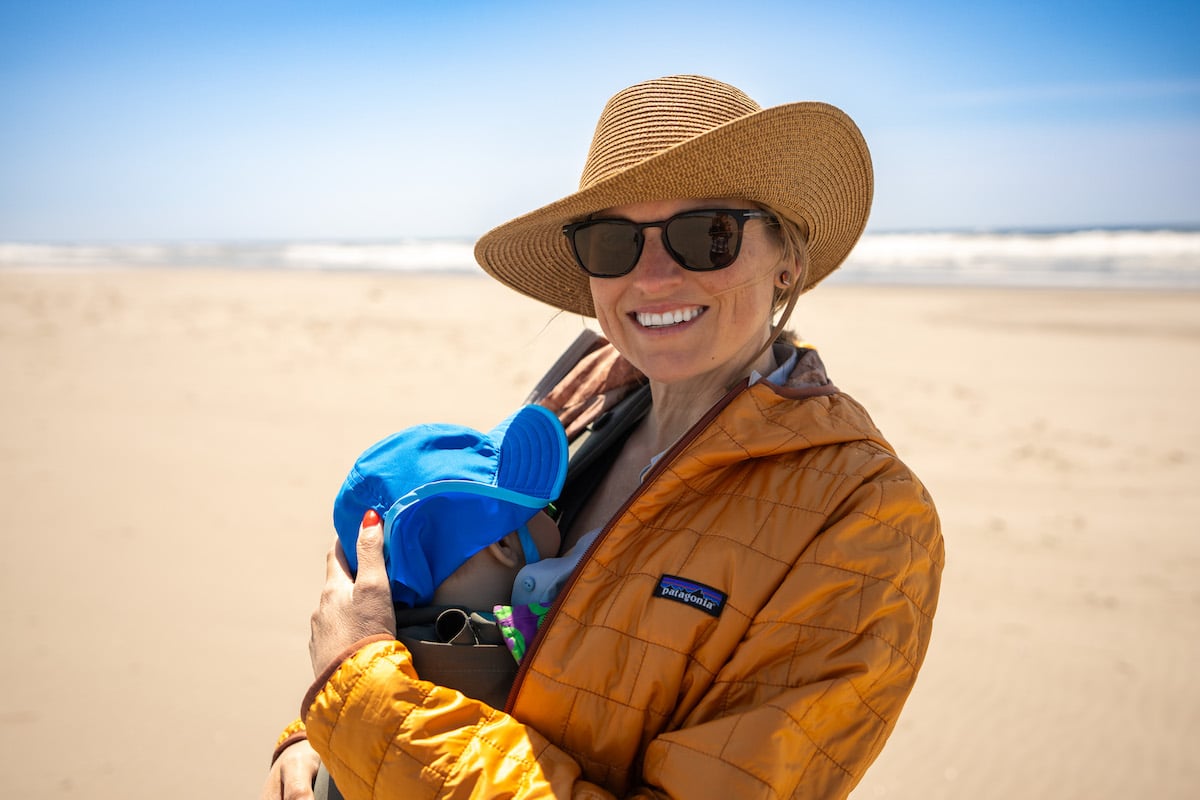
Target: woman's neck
(678, 406)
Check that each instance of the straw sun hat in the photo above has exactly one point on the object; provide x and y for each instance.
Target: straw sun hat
(687, 136)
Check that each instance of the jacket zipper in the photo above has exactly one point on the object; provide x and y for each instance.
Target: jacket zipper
(658, 468)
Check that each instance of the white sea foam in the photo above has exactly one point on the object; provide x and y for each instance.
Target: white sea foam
(1102, 258)
(1118, 258)
(436, 255)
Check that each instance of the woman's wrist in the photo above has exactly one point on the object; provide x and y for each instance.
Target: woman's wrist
(294, 732)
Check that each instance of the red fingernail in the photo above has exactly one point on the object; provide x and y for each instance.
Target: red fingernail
(370, 518)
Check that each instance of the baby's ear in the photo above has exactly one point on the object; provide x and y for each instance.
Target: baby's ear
(508, 550)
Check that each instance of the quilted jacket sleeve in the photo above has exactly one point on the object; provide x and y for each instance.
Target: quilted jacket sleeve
(801, 709)
(384, 733)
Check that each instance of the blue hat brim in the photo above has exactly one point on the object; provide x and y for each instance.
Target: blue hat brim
(438, 526)
(459, 491)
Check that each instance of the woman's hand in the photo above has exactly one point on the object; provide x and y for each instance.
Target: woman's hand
(292, 774)
(352, 609)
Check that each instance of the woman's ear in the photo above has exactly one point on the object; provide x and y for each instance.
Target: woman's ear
(508, 550)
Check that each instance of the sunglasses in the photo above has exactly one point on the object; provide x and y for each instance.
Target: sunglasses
(700, 241)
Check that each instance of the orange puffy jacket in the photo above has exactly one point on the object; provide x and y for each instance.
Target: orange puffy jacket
(749, 625)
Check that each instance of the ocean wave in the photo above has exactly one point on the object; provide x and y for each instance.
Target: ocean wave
(1095, 257)
(1102, 258)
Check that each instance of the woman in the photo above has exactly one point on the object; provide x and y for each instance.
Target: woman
(752, 572)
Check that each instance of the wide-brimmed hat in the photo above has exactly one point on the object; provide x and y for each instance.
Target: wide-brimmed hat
(445, 492)
(687, 136)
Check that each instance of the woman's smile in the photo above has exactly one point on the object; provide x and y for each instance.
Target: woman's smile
(668, 319)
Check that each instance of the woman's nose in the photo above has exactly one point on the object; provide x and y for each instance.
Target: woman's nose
(655, 265)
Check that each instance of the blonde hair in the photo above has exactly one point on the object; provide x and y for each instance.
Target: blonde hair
(793, 251)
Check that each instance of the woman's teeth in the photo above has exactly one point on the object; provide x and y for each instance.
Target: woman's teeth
(669, 318)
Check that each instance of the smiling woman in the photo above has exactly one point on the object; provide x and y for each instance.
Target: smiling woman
(695, 328)
(748, 573)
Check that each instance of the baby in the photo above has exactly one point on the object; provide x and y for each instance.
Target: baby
(463, 512)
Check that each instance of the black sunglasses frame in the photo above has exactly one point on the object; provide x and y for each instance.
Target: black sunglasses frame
(740, 215)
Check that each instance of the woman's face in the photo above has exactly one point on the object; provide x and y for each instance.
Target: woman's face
(725, 314)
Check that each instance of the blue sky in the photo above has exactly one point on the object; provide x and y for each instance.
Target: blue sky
(364, 119)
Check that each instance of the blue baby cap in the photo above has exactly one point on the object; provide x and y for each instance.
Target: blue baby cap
(445, 492)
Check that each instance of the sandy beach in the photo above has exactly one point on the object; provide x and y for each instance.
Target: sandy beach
(170, 443)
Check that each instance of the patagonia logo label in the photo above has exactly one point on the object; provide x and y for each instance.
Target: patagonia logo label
(690, 593)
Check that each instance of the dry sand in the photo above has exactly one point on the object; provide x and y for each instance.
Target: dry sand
(170, 443)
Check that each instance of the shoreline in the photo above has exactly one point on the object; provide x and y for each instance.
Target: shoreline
(1112, 257)
(837, 282)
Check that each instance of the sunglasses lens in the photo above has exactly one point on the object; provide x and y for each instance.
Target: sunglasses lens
(607, 248)
(704, 240)
(699, 240)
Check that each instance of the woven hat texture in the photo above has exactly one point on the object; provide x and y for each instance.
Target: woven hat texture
(688, 136)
